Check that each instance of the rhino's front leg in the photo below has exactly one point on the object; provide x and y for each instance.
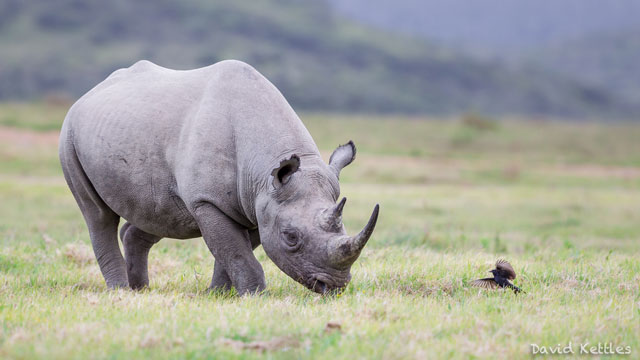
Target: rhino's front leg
(231, 247)
(220, 280)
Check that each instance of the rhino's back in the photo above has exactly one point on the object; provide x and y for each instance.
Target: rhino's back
(154, 142)
(126, 134)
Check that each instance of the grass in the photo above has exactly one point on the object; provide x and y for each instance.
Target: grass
(558, 200)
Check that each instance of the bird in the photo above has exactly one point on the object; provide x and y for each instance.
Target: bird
(501, 276)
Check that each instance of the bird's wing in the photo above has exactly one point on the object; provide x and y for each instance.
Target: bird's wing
(505, 267)
(487, 283)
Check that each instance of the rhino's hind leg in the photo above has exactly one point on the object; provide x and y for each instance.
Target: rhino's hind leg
(137, 244)
(104, 240)
(101, 220)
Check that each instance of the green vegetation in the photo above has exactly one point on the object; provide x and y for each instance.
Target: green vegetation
(33, 116)
(558, 200)
(319, 60)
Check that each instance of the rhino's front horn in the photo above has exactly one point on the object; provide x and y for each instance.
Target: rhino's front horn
(347, 249)
(360, 240)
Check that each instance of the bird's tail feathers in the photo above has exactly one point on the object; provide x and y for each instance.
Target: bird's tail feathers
(515, 288)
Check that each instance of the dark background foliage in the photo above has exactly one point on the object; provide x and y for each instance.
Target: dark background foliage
(351, 56)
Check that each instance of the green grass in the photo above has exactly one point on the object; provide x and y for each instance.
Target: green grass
(558, 200)
(33, 116)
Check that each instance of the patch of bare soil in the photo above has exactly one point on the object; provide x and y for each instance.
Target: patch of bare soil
(333, 326)
(597, 171)
(27, 138)
(277, 343)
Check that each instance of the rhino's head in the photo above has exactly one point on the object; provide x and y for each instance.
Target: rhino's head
(301, 225)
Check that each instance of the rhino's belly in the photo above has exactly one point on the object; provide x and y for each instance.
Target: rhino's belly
(139, 186)
(166, 220)
(157, 212)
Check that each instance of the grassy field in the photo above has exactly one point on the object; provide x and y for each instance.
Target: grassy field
(560, 201)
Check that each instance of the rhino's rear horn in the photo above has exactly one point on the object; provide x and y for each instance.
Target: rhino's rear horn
(333, 217)
(337, 210)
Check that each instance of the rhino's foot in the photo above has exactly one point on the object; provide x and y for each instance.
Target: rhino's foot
(247, 284)
(250, 280)
(115, 284)
(137, 244)
(220, 282)
(258, 289)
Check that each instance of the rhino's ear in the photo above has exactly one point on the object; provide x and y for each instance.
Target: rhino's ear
(342, 156)
(282, 173)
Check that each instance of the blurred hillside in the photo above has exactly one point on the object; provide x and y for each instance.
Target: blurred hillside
(591, 41)
(609, 60)
(496, 26)
(319, 60)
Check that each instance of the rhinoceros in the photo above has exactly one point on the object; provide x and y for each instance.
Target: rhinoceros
(215, 152)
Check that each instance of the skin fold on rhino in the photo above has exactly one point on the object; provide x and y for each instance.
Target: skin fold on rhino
(215, 152)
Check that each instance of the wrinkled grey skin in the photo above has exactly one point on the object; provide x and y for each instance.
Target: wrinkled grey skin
(215, 152)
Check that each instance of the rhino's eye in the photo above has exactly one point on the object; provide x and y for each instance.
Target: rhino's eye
(292, 239)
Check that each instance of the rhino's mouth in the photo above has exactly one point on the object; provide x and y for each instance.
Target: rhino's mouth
(320, 287)
(322, 284)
